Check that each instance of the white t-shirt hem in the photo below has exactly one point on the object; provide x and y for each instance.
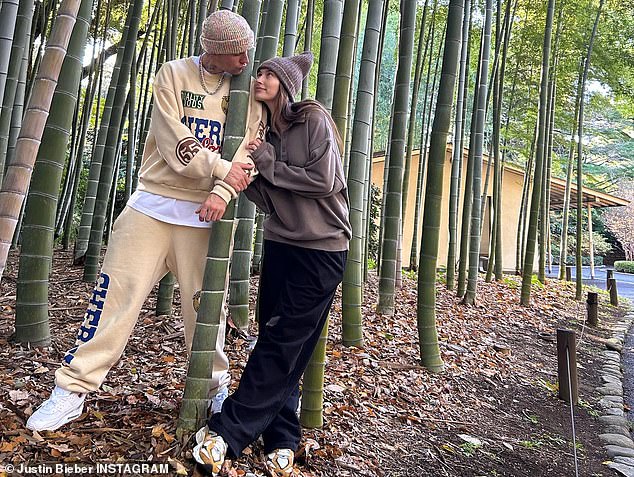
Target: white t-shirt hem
(166, 209)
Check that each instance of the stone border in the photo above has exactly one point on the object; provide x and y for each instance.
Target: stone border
(616, 428)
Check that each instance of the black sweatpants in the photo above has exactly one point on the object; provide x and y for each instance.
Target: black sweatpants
(297, 287)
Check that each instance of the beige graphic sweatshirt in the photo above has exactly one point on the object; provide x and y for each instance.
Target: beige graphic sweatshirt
(182, 154)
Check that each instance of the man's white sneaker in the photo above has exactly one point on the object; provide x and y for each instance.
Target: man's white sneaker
(210, 450)
(62, 407)
(218, 399)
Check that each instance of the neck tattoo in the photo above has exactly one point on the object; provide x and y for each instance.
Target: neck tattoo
(202, 78)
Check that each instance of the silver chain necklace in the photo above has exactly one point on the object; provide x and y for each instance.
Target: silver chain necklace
(202, 79)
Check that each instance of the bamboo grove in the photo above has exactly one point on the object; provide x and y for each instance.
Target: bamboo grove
(420, 91)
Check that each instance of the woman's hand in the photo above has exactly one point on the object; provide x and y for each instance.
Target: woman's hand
(253, 145)
(212, 209)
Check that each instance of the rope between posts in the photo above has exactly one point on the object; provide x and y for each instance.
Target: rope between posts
(572, 413)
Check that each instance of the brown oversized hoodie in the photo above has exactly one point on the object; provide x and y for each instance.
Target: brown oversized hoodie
(301, 186)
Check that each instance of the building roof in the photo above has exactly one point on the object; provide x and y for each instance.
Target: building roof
(589, 197)
(557, 187)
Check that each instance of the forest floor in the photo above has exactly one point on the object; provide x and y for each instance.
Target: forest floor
(494, 411)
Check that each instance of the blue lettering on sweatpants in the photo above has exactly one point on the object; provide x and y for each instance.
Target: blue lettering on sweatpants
(92, 316)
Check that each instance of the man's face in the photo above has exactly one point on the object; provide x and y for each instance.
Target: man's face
(232, 63)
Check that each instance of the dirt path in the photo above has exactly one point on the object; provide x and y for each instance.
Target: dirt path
(494, 410)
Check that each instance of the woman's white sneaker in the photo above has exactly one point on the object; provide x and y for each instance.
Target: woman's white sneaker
(61, 408)
(279, 463)
(210, 450)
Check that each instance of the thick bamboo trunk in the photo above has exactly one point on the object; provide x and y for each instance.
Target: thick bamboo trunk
(165, 295)
(345, 61)
(411, 128)
(426, 306)
(360, 155)
(529, 257)
(425, 134)
(31, 318)
(290, 27)
(563, 248)
(311, 413)
(579, 289)
(193, 410)
(106, 175)
(92, 185)
(474, 240)
(245, 213)
(389, 245)
(18, 175)
(457, 156)
(18, 48)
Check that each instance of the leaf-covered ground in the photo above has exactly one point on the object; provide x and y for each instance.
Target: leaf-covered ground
(493, 411)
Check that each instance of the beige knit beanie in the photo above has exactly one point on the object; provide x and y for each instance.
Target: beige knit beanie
(226, 33)
(290, 70)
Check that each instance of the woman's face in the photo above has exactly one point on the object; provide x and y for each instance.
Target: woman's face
(267, 86)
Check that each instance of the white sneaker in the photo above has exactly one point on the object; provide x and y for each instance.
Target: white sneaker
(279, 463)
(210, 450)
(62, 407)
(218, 399)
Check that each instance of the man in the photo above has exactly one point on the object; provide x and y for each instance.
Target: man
(183, 185)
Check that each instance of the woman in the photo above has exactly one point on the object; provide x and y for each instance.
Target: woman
(301, 188)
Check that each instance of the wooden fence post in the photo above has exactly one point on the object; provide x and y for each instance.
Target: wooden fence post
(593, 308)
(614, 294)
(567, 365)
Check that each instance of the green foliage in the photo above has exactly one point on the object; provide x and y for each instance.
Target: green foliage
(599, 291)
(386, 83)
(511, 283)
(585, 259)
(532, 444)
(608, 138)
(611, 147)
(468, 448)
(551, 386)
(411, 274)
(589, 409)
(603, 241)
(535, 282)
(614, 49)
(609, 124)
(555, 439)
(624, 266)
(546, 439)
(532, 418)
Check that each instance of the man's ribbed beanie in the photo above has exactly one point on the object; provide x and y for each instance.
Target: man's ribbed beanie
(225, 33)
(290, 70)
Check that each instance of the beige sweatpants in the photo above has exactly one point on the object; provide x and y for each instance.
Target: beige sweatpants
(141, 251)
